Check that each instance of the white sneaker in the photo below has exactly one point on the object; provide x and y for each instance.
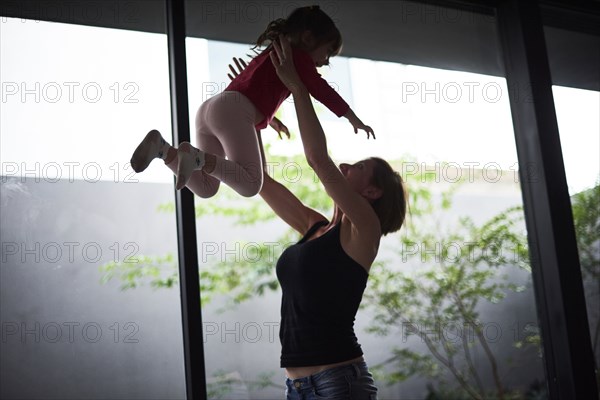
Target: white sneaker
(189, 159)
(153, 146)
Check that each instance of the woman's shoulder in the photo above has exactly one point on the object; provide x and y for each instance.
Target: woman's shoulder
(360, 244)
(370, 233)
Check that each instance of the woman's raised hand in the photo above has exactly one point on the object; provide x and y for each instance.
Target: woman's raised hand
(283, 61)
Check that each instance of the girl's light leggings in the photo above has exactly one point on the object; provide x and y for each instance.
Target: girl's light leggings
(225, 127)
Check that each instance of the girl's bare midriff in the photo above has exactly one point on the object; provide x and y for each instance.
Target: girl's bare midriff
(301, 372)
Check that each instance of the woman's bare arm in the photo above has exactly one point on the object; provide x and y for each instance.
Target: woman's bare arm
(354, 206)
(285, 204)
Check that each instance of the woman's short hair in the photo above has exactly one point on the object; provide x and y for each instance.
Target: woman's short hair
(391, 206)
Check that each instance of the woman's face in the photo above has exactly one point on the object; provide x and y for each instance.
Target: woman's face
(359, 174)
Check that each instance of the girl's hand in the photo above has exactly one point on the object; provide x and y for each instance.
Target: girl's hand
(240, 64)
(279, 127)
(283, 61)
(358, 124)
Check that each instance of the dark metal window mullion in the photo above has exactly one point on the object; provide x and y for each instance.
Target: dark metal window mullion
(556, 271)
(195, 374)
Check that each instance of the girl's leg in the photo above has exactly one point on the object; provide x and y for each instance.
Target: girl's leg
(229, 119)
(155, 146)
(200, 182)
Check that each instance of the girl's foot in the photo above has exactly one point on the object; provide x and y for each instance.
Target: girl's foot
(189, 159)
(151, 147)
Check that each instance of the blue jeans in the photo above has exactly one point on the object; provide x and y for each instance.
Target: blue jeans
(347, 382)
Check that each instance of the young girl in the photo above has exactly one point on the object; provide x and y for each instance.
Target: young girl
(227, 124)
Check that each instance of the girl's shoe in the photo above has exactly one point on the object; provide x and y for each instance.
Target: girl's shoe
(189, 159)
(153, 146)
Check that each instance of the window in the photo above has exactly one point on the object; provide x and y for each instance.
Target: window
(81, 231)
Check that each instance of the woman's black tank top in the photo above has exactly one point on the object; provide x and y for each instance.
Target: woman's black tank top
(322, 287)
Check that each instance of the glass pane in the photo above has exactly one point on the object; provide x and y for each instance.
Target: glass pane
(578, 114)
(449, 309)
(87, 251)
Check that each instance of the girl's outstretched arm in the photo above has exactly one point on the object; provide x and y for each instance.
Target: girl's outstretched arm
(322, 91)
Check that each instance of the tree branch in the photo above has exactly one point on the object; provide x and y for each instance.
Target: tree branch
(470, 363)
(448, 364)
(485, 346)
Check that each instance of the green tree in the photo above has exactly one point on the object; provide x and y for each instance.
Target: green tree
(459, 265)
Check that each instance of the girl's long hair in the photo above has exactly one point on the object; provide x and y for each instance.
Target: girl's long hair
(310, 18)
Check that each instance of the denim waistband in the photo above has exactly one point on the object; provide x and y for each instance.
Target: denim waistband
(355, 369)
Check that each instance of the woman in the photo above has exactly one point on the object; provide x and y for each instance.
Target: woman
(323, 276)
